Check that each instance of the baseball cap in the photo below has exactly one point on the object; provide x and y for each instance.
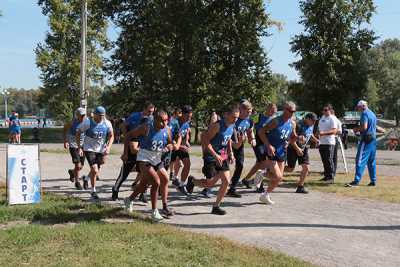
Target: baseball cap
(80, 112)
(362, 103)
(187, 109)
(100, 110)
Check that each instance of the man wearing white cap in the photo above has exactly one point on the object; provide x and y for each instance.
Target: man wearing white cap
(78, 160)
(366, 151)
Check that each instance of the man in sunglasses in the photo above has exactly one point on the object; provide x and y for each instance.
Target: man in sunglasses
(327, 140)
(276, 136)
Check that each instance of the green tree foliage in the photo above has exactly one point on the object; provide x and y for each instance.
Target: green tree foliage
(58, 57)
(331, 51)
(202, 53)
(384, 65)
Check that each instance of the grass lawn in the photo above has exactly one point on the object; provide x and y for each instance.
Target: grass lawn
(86, 240)
(387, 189)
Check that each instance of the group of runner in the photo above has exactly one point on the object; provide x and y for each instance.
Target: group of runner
(155, 142)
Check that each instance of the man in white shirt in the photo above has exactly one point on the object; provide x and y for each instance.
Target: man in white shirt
(99, 137)
(327, 132)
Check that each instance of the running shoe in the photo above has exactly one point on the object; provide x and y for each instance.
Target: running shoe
(94, 195)
(114, 195)
(218, 211)
(352, 184)
(301, 190)
(182, 189)
(260, 189)
(85, 182)
(156, 216)
(78, 186)
(190, 185)
(372, 184)
(128, 204)
(265, 198)
(167, 212)
(71, 175)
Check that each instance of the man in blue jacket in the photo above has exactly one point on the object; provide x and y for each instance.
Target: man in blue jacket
(366, 151)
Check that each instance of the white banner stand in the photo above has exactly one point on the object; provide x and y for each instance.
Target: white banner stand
(23, 174)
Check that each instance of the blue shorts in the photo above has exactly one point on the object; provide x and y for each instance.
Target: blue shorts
(261, 152)
(15, 131)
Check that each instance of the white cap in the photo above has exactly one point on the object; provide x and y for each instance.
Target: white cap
(362, 103)
(80, 112)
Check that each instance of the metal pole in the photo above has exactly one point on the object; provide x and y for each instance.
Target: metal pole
(5, 106)
(83, 94)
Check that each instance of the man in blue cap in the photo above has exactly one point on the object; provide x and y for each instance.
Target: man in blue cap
(366, 151)
(99, 137)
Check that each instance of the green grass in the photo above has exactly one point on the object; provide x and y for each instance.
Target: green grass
(88, 241)
(387, 189)
(46, 135)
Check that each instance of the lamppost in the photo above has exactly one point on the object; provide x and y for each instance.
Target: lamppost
(5, 94)
(83, 93)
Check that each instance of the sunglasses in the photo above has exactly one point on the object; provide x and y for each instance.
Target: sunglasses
(291, 111)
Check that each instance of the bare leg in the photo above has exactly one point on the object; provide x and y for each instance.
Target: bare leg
(185, 169)
(303, 174)
(162, 173)
(225, 178)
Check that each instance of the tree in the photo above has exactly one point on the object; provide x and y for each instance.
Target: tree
(202, 53)
(331, 51)
(384, 71)
(25, 102)
(58, 57)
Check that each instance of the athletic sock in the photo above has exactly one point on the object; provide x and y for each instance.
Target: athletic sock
(93, 189)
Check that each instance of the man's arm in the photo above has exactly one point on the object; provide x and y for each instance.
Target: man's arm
(262, 133)
(67, 126)
(333, 129)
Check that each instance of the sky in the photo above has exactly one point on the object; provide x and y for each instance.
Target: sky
(23, 26)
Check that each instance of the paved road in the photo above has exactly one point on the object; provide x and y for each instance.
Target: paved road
(320, 228)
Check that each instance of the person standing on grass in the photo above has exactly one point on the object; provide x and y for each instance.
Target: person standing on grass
(155, 138)
(70, 143)
(217, 156)
(276, 136)
(298, 151)
(327, 141)
(183, 141)
(99, 137)
(15, 129)
(366, 150)
(259, 149)
(244, 130)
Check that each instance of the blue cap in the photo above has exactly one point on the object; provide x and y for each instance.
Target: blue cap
(100, 110)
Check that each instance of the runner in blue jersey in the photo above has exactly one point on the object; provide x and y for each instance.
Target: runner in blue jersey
(298, 151)
(182, 138)
(99, 137)
(154, 139)
(259, 149)
(70, 143)
(15, 129)
(276, 136)
(244, 130)
(217, 156)
(132, 122)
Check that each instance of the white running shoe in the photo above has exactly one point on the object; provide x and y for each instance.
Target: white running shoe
(128, 204)
(264, 198)
(259, 178)
(156, 216)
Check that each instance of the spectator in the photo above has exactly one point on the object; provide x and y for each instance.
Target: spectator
(327, 132)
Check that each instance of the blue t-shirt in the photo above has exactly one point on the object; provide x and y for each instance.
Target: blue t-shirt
(184, 130)
(220, 140)
(72, 133)
(262, 121)
(368, 117)
(173, 124)
(155, 140)
(15, 125)
(303, 129)
(242, 125)
(279, 136)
